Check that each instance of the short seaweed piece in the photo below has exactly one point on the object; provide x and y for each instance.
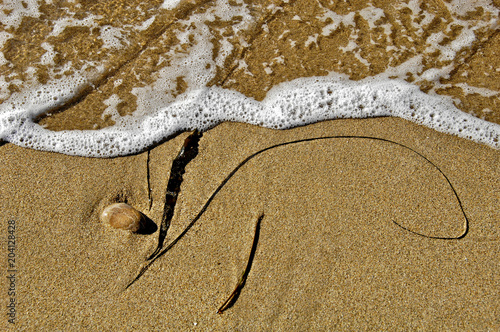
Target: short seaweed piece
(241, 164)
(231, 300)
(148, 179)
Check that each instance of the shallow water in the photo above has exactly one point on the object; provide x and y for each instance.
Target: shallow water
(107, 80)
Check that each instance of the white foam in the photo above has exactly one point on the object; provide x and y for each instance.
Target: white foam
(372, 15)
(196, 64)
(288, 105)
(48, 56)
(346, 20)
(61, 24)
(13, 12)
(112, 102)
(112, 37)
(170, 4)
(160, 113)
(460, 7)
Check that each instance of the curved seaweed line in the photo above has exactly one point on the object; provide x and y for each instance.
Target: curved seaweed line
(228, 177)
(233, 297)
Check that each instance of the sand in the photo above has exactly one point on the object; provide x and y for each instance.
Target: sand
(329, 255)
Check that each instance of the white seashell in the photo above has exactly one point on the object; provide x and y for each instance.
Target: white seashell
(122, 216)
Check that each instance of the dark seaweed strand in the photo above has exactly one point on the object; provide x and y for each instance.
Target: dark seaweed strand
(223, 183)
(241, 283)
(150, 199)
(188, 152)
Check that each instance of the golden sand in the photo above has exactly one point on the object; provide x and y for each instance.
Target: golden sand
(329, 255)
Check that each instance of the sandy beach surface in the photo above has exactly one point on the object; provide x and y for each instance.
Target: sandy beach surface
(330, 254)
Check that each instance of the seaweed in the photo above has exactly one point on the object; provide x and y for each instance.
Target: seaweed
(187, 153)
(234, 296)
(231, 300)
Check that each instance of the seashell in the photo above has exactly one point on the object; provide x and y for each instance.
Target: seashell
(123, 216)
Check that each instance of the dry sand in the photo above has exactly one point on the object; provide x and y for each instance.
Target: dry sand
(329, 256)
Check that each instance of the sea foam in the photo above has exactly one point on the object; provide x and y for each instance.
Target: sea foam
(296, 103)
(159, 113)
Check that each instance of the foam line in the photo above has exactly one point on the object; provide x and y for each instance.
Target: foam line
(296, 103)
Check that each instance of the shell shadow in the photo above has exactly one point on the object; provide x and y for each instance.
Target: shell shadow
(148, 226)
